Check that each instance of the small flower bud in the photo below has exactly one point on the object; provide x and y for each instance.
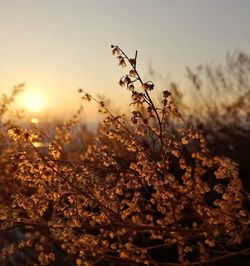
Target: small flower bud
(133, 73)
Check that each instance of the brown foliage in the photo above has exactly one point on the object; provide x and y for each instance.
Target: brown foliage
(141, 193)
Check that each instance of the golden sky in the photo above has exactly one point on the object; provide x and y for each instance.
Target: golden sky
(56, 46)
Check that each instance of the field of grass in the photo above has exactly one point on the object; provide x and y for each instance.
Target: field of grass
(159, 186)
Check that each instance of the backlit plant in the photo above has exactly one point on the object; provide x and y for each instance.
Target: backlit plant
(146, 191)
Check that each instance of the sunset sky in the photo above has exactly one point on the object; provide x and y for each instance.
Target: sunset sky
(56, 46)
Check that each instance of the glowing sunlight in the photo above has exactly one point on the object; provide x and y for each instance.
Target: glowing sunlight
(33, 101)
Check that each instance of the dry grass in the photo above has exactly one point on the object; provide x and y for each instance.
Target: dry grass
(146, 190)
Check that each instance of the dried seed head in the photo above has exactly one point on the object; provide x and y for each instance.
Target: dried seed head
(133, 73)
(166, 94)
(148, 86)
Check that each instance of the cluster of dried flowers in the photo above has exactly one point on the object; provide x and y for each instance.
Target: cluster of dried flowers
(141, 193)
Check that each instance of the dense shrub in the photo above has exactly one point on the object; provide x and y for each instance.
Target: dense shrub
(147, 190)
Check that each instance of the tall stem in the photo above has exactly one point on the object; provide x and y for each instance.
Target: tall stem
(149, 98)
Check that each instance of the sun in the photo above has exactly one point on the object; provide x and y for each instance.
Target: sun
(33, 101)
